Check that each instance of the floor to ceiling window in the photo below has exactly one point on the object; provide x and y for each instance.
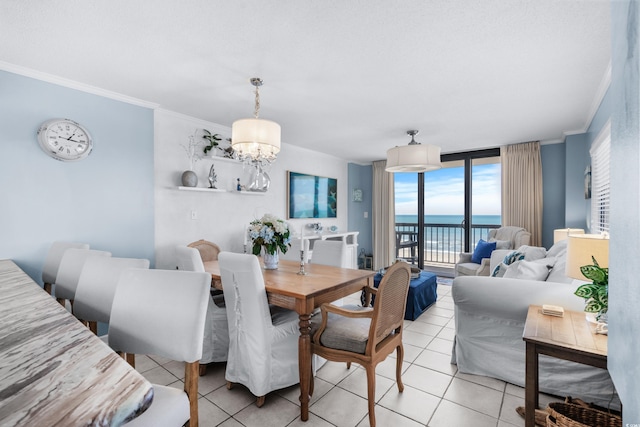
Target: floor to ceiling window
(444, 212)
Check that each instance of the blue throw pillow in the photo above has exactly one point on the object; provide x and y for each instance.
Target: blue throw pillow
(483, 250)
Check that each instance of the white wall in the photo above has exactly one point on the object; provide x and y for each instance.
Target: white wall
(221, 217)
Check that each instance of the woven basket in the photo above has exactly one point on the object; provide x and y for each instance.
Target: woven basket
(570, 415)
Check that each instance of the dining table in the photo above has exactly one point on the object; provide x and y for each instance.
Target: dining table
(304, 293)
(53, 370)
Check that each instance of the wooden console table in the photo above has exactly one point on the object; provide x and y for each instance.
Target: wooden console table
(570, 338)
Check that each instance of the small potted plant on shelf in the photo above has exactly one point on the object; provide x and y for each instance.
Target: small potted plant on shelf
(213, 140)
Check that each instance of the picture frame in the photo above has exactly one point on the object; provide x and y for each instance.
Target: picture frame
(311, 196)
(587, 182)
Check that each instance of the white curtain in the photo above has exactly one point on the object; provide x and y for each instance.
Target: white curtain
(383, 216)
(522, 188)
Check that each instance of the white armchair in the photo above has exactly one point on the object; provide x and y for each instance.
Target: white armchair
(508, 237)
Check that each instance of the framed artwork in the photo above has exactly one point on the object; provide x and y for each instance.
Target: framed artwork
(311, 196)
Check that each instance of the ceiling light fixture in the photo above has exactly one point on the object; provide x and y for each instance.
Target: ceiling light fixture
(414, 157)
(255, 139)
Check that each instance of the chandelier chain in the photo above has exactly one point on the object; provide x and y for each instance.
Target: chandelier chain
(257, 108)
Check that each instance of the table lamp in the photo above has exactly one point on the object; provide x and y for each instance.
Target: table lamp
(561, 234)
(580, 249)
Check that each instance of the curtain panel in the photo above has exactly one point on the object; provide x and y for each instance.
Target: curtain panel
(522, 188)
(383, 216)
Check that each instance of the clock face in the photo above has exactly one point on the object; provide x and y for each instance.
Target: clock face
(65, 140)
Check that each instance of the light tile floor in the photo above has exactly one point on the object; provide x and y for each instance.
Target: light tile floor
(435, 393)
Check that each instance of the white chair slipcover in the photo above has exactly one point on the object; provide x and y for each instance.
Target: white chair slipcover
(97, 286)
(330, 252)
(263, 347)
(215, 341)
(69, 272)
(293, 253)
(52, 261)
(162, 312)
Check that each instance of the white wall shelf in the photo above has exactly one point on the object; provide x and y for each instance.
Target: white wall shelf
(225, 160)
(218, 190)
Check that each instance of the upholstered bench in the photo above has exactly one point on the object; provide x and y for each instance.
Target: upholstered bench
(422, 293)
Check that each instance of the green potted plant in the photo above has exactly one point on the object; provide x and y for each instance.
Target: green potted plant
(213, 140)
(596, 293)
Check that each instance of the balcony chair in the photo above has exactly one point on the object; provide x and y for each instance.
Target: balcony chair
(162, 312)
(407, 239)
(52, 261)
(507, 237)
(215, 341)
(263, 346)
(69, 272)
(363, 335)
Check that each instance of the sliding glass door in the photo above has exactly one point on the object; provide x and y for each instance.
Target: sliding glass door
(444, 212)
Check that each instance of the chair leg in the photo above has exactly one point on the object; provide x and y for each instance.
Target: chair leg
(311, 381)
(61, 301)
(203, 369)
(399, 357)
(229, 385)
(93, 327)
(371, 393)
(131, 359)
(47, 288)
(348, 365)
(260, 401)
(191, 388)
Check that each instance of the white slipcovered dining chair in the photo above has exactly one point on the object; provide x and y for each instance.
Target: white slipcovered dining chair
(69, 272)
(263, 347)
(162, 312)
(330, 252)
(215, 341)
(52, 261)
(293, 254)
(97, 286)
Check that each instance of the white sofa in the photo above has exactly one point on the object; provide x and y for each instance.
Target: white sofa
(490, 313)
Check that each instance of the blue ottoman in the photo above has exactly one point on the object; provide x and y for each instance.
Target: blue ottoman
(422, 293)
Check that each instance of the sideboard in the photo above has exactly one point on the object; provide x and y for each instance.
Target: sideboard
(349, 237)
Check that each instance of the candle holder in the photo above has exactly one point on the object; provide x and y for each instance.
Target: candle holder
(302, 272)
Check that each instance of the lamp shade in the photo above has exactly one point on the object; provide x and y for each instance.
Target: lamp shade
(580, 249)
(413, 158)
(561, 234)
(257, 138)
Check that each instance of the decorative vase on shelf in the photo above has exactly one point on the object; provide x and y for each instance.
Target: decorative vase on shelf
(271, 261)
(189, 178)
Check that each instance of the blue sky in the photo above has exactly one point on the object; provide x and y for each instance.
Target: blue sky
(444, 191)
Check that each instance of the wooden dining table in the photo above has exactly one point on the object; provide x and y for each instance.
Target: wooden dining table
(303, 293)
(53, 370)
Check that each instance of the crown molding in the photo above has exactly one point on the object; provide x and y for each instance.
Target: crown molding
(61, 81)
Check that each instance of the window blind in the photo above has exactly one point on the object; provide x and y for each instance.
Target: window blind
(600, 188)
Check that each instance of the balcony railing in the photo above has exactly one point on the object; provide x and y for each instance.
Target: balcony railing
(442, 242)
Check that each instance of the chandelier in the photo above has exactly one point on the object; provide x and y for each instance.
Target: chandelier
(414, 157)
(256, 140)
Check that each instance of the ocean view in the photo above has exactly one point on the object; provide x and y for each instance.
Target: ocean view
(450, 219)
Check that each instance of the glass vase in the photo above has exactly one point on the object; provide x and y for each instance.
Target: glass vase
(270, 261)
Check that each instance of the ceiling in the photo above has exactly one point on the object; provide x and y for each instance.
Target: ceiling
(344, 77)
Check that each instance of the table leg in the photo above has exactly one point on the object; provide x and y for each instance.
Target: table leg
(531, 386)
(304, 364)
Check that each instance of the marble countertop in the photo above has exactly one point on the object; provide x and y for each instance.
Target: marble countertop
(53, 370)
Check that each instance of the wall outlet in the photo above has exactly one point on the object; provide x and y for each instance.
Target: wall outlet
(366, 214)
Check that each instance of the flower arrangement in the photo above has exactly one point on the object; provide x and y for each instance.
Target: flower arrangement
(269, 232)
(596, 294)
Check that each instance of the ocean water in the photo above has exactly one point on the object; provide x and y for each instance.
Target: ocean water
(450, 219)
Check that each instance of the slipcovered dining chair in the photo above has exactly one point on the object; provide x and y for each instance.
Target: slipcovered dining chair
(215, 341)
(52, 261)
(97, 286)
(330, 252)
(263, 346)
(69, 272)
(363, 335)
(293, 253)
(162, 312)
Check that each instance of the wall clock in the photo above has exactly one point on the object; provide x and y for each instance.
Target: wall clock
(65, 140)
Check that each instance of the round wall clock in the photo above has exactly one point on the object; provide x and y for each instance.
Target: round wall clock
(65, 140)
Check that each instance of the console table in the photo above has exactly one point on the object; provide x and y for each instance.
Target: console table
(349, 237)
(54, 371)
(570, 338)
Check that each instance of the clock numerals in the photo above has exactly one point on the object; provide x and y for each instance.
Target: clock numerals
(64, 140)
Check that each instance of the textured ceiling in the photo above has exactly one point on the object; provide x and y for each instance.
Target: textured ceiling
(343, 77)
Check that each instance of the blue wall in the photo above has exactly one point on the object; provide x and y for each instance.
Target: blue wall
(361, 177)
(577, 160)
(553, 187)
(105, 200)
